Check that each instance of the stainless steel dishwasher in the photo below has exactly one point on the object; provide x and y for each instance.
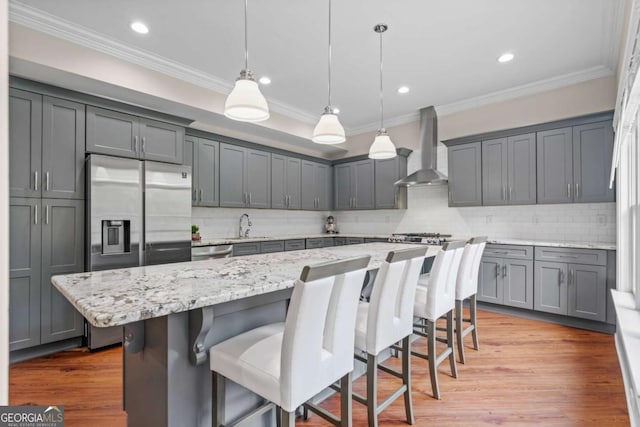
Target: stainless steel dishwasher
(199, 253)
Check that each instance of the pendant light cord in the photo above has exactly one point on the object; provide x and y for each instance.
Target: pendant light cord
(246, 48)
(381, 92)
(329, 73)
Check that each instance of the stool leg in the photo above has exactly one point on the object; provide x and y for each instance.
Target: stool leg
(278, 416)
(217, 399)
(346, 414)
(288, 418)
(372, 390)
(452, 353)
(459, 329)
(473, 311)
(406, 378)
(433, 356)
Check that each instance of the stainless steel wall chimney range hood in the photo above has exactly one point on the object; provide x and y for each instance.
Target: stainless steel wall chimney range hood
(428, 173)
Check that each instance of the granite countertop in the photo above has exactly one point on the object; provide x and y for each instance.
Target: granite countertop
(118, 297)
(556, 244)
(237, 240)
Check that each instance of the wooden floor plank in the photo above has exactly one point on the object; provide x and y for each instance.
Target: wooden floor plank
(527, 373)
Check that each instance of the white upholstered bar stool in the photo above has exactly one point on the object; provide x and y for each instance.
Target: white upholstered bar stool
(385, 320)
(467, 287)
(435, 297)
(288, 363)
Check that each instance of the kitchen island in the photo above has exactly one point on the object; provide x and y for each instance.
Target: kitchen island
(172, 314)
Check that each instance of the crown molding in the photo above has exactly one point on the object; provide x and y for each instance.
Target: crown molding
(526, 89)
(52, 25)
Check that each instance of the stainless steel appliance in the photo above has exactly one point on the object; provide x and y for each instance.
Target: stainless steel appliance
(138, 213)
(425, 238)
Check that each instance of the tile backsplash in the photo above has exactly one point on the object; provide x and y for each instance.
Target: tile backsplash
(223, 222)
(428, 211)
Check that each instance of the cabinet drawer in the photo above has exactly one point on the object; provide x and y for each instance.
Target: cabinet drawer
(317, 242)
(376, 240)
(327, 242)
(294, 245)
(575, 256)
(354, 240)
(509, 251)
(339, 241)
(246, 249)
(268, 247)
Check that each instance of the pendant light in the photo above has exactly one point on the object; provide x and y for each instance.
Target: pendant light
(329, 130)
(382, 147)
(246, 103)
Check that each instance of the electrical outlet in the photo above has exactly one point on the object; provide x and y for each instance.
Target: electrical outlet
(601, 219)
(489, 219)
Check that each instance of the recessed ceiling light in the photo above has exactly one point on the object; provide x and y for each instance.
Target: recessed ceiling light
(336, 110)
(506, 57)
(403, 89)
(265, 80)
(139, 27)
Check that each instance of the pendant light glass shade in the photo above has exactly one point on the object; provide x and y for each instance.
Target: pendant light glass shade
(328, 130)
(246, 103)
(382, 147)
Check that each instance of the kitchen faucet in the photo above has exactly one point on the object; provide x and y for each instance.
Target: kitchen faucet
(246, 233)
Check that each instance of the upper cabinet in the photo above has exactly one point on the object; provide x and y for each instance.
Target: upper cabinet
(354, 185)
(285, 182)
(245, 177)
(315, 186)
(203, 155)
(574, 164)
(567, 161)
(465, 174)
(47, 138)
(118, 134)
(509, 170)
(387, 172)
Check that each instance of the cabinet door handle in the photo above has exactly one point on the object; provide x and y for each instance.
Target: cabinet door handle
(35, 214)
(504, 270)
(249, 198)
(144, 143)
(201, 194)
(570, 277)
(135, 144)
(195, 195)
(46, 215)
(502, 195)
(46, 181)
(35, 180)
(510, 193)
(568, 191)
(561, 276)
(577, 192)
(497, 270)
(450, 198)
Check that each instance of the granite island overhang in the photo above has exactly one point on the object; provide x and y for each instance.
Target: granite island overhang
(173, 313)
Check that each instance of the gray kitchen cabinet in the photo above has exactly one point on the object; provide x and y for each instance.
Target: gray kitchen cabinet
(203, 155)
(245, 177)
(246, 249)
(576, 288)
(46, 238)
(354, 185)
(387, 172)
(24, 272)
(339, 241)
(592, 151)
(46, 146)
(315, 186)
(315, 242)
(465, 174)
(509, 170)
(574, 164)
(271, 246)
(62, 253)
(119, 134)
(354, 240)
(506, 276)
(285, 182)
(294, 245)
(63, 148)
(25, 143)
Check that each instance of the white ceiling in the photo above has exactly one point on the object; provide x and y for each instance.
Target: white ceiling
(444, 50)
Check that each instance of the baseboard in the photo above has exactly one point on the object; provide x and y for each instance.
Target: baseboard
(573, 322)
(44, 350)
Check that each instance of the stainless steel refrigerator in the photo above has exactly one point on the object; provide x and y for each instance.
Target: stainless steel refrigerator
(138, 213)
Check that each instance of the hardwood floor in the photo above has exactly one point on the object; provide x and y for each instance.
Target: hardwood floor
(526, 373)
